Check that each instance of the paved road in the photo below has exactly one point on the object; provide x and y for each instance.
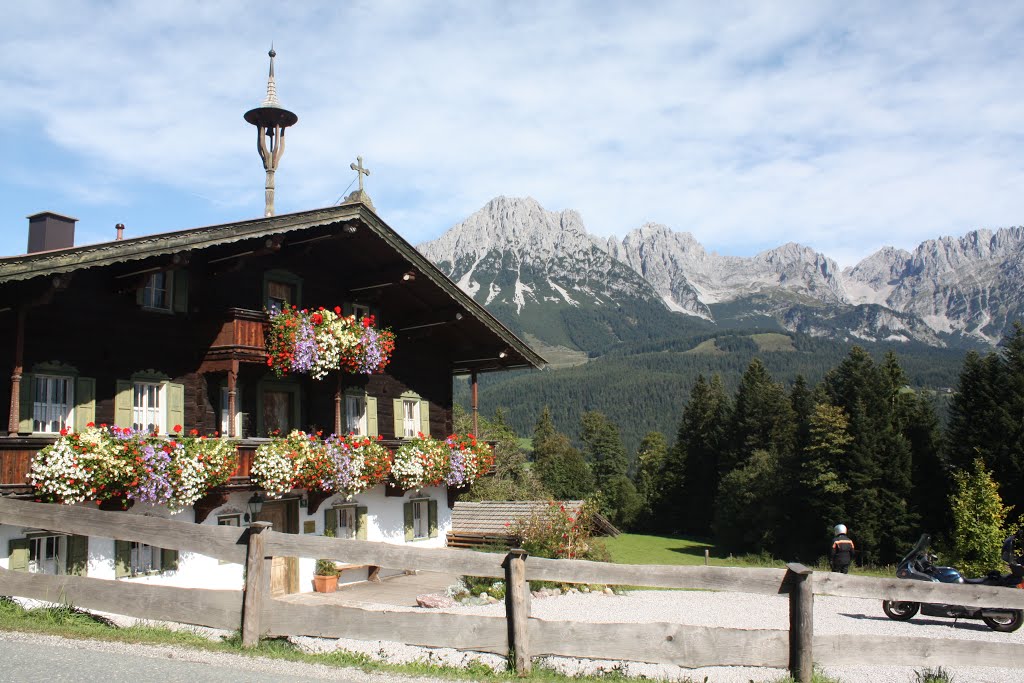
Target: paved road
(27, 657)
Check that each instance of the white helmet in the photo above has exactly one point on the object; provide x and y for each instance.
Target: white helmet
(840, 528)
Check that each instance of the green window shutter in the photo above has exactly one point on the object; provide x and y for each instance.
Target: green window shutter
(371, 416)
(330, 520)
(78, 555)
(85, 402)
(432, 517)
(141, 290)
(179, 300)
(124, 400)
(397, 403)
(168, 559)
(122, 559)
(175, 405)
(17, 549)
(407, 511)
(425, 417)
(361, 522)
(25, 404)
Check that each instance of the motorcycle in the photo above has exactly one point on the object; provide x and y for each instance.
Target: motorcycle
(919, 565)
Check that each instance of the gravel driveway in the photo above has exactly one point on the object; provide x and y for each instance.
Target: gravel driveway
(702, 608)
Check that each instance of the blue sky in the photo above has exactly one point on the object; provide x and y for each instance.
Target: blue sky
(843, 126)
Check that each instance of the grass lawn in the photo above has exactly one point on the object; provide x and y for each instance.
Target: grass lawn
(644, 549)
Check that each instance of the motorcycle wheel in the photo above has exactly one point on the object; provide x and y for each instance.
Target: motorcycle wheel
(1005, 624)
(902, 611)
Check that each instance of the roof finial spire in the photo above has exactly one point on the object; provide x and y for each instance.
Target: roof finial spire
(271, 100)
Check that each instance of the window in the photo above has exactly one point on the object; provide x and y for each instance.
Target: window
(157, 292)
(355, 412)
(420, 529)
(149, 401)
(410, 417)
(47, 554)
(277, 411)
(52, 403)
(144, 558)
(147, 415)
(229, 520)
(279, 294)
(360, 311)
(420, 519)
(132, 558)
(346, 521)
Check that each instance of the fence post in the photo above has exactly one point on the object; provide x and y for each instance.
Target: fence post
(517, 609)
(257, 584)
(801, 622)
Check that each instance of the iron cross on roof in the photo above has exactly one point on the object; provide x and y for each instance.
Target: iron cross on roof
(360, 171)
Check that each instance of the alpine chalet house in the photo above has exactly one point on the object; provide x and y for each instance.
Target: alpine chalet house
(173, 334)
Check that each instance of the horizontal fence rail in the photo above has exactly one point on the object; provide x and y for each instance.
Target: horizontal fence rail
(259, 615)
(224, 543)
(198, 606)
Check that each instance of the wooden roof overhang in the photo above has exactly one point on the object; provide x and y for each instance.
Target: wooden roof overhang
(374, 264)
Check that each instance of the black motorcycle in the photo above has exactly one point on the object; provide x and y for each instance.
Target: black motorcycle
(919, 565)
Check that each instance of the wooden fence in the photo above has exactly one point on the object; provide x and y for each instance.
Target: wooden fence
(257, 614)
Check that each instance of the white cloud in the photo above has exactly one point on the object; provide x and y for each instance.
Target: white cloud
(842, 127)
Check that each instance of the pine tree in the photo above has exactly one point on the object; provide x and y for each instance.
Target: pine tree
(692, 467)
(762, 418)
(562, 469)
(651, 461)
(747, 516)
(878, 468)
(602, 446)
(822, 492)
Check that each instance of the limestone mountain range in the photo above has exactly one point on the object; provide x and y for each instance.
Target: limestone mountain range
(544, 275)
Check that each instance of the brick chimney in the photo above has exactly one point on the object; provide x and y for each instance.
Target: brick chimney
(48, 231)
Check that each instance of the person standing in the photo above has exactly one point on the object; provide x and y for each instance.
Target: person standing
(841, 554)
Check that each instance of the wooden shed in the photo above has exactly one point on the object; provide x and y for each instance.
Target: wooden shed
(489, 522)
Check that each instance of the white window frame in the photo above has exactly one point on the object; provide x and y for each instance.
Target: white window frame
(144, 559)
(420, 518)
(142, 411)
(410, 417)
(355, 414)
(54, 548)
(155, 296)
(49, 416)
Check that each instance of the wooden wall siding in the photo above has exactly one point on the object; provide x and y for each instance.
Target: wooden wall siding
(127, 339)
(683, 645)
(14, 466)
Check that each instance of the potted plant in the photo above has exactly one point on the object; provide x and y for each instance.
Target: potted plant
(325, 576)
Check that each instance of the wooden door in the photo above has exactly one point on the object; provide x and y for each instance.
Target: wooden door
(283, 570)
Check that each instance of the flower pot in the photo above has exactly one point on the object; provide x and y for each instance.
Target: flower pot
(116, 504)
(325, 584)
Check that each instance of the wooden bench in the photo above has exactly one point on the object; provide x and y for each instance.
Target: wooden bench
(372, 574)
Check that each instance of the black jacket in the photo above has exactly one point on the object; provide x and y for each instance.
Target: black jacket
(842, 550)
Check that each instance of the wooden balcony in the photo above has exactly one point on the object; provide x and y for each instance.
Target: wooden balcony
(241, 338)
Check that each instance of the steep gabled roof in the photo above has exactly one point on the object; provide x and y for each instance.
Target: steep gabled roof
(60, 261)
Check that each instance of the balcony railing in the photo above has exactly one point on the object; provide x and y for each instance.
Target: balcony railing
(241, 337)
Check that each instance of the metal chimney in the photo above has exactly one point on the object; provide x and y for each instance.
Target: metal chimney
(48, 231)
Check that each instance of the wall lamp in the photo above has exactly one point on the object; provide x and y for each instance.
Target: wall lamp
(255, 505)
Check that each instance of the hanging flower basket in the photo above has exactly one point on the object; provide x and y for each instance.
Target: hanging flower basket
(317, 342)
